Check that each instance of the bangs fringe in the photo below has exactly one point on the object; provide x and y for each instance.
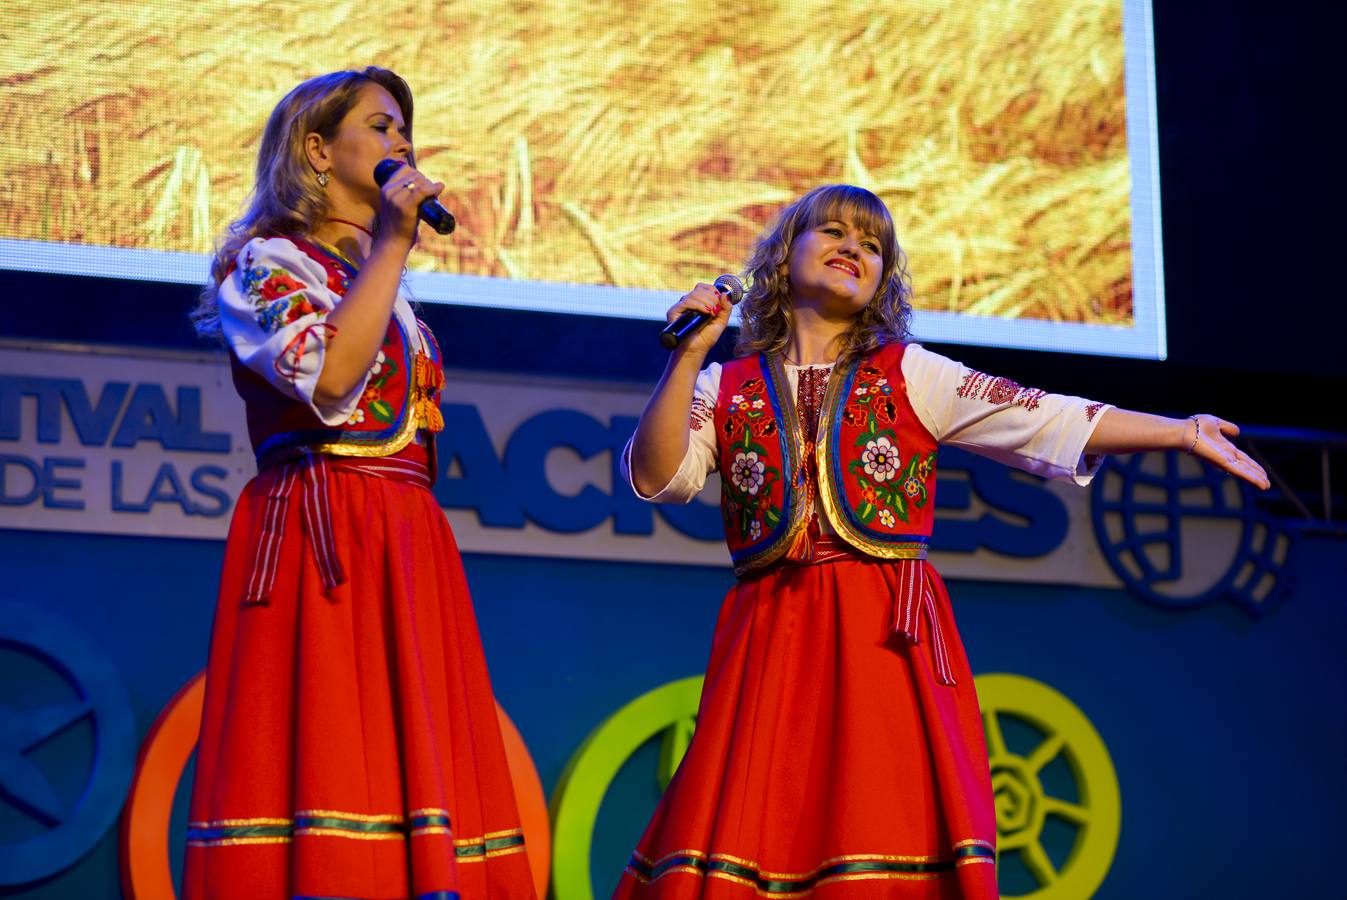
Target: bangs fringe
(844, 202)
(767, 310)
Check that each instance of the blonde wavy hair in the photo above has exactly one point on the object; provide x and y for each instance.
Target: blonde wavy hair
(286, 198)
(767, 309)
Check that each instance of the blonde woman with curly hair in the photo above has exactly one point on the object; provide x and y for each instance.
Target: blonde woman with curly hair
(839, 744)
(349, 741)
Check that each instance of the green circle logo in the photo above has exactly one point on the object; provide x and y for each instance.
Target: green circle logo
(669, 711)
(1024, 806)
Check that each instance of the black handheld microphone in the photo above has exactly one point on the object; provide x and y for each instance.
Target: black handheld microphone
(692, 319)
(431, 212)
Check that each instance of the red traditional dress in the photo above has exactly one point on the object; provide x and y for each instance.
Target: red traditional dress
(349, 742)
(839, 748)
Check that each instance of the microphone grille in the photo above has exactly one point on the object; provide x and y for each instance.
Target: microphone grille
(733, 287)
(385, 169)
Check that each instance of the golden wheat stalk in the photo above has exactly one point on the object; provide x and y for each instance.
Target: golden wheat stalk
(632, 144)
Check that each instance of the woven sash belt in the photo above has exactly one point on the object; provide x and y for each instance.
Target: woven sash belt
(914, 590)
(913, 597)
(311, 475)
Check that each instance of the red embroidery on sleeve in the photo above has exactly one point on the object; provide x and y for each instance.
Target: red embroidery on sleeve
(1028, 398)
(701, 413)
(288, 362)
(279, 298)
(1092, 410)
(1002, 390)
(998, 391)
(280, 284)
(972, 383)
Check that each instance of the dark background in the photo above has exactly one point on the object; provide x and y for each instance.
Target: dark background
(1254, 327)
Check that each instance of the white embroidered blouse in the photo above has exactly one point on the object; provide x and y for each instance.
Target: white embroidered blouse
(272, 307)
(1041, 433)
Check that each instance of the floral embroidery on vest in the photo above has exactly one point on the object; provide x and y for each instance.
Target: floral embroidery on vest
(372, 400)
(337, 282)
(888, 486)
(765, 440)
(748, 507)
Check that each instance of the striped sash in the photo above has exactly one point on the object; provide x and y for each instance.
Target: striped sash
(311, 474)
(914, 596)
(914, 591)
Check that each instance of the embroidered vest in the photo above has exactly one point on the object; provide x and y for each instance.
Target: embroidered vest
(871, 471)
(401, 396)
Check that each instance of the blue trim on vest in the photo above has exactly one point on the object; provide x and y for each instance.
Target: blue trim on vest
(428, 338)
(784, 431)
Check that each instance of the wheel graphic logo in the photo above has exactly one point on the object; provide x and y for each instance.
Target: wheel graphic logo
(1180, 533)
(1025, 809)
(55, 831)
(146, 872)
(669, 711)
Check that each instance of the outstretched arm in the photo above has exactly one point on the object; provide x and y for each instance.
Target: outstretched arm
(1053, 435)
(1203, 436)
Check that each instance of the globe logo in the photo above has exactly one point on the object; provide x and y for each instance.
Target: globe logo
(1181, 534)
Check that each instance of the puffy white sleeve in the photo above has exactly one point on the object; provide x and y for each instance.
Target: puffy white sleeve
(272, 311)
(994, 417)
(700, 460)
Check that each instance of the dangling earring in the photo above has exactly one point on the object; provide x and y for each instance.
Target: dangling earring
(323, 179)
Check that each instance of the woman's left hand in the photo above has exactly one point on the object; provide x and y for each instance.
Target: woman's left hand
(400, 200)
(1213, 445)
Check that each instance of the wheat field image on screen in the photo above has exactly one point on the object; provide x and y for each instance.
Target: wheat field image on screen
(623, 143)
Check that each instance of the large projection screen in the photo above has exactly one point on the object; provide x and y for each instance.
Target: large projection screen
(603, 157)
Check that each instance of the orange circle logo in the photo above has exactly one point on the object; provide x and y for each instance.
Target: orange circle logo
(146, 873)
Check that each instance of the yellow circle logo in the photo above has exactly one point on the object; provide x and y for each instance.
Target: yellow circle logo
(1024, 807)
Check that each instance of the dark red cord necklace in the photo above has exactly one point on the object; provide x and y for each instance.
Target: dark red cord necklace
(352, 224)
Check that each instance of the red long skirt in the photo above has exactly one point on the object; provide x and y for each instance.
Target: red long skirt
(829, 759)
(349, 742)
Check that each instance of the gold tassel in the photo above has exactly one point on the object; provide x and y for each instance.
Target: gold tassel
(426, 383)
(428, 415)
(802, 548)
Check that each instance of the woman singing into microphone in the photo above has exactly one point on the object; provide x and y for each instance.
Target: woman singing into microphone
(839, 746)
(349, 744)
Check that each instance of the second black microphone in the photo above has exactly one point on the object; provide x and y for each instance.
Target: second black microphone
(692, 319)
(431, 211)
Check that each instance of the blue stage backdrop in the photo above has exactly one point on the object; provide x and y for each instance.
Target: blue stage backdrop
(1160, 706)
